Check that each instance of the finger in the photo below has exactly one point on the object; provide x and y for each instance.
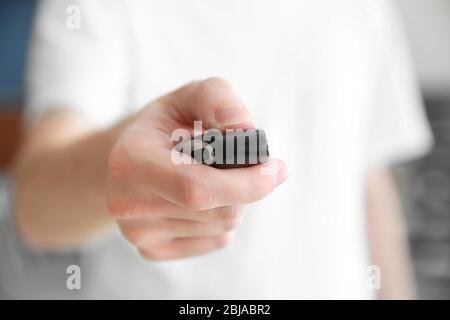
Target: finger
(200, 187)
(155, 207)
(216, 215)
(144, 232)
(214, 102)
(131, 202)
(143, 236)
(187, 247)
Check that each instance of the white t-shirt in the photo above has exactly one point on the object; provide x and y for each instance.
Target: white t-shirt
(330, 82)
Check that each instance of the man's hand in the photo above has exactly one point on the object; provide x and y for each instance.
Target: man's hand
(170, 210)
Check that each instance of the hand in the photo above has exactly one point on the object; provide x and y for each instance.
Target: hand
(169, 210)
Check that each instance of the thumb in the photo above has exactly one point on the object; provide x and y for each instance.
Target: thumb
(215, 103)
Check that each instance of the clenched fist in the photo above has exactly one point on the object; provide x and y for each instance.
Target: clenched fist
(170, 210)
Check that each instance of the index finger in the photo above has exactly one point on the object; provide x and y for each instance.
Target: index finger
(200, 187)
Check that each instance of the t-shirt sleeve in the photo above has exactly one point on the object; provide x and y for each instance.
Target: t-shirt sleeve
(398, 127)
(78, 59)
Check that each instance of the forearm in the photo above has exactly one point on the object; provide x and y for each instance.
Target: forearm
(387, 237)
(60, 178)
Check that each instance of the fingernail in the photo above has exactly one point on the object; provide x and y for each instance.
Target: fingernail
(232, 115)
(282, 175)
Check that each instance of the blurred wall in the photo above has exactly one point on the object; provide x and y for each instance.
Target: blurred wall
(425, 183)
(15, 26)
(428, 25)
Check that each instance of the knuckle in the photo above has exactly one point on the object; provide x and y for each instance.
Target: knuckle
(229, 213)
(223, 240)
(133, 235)
(121, 208)
(115, 207)
(151, 254)
(261, 189)
(214, 83)
(193, 84)
(231, 224)
(195, 195)
(143, 236)
(117, 162)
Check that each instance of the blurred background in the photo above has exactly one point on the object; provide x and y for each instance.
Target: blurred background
(424, 184)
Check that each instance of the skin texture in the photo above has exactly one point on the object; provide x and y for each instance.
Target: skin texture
(74, 181)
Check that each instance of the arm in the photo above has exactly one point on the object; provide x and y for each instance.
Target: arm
(60, 177)
(387, 236)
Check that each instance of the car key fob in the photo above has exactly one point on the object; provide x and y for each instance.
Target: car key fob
(235, 148)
